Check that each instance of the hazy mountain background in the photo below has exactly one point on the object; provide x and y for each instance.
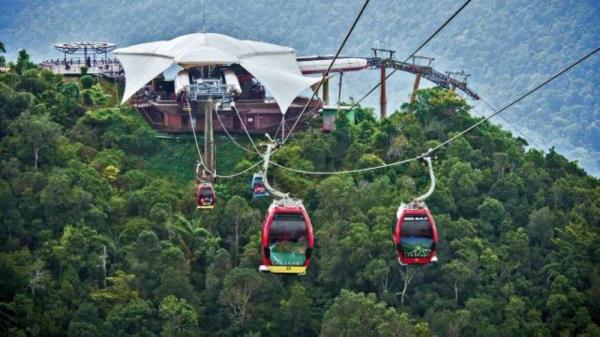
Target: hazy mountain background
(507, 46)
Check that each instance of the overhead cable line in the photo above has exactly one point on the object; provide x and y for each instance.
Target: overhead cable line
(233, 175)
(539, 86)
(200, 160)
(329, 173)
(235, 142)
(245, 129)
(451, 139)
(414, 52)
(516, 128)
(364, 6)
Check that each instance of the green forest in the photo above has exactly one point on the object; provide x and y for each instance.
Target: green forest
(100, 235)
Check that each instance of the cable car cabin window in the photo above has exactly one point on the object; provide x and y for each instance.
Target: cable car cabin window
(206, 193)
(288, 240)
(416, 236)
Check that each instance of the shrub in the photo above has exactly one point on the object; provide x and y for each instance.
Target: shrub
(86, 81)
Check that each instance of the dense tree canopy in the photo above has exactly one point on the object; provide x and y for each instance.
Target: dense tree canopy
(100, 236)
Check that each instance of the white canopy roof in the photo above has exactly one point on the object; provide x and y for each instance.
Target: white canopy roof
(274, 66)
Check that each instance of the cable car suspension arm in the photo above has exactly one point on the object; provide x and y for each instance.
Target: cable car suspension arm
(266, 159)
(427, 159)
(200, 160)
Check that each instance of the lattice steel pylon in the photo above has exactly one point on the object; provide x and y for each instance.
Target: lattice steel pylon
(457, 79)
(422, 65)
(391, 56)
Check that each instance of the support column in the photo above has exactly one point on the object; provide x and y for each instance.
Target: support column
(383, 95)
(340, 88)
(209, 143)
(413, 96)
(283, 127)
(326, 92)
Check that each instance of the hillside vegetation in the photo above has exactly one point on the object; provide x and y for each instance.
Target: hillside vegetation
(100, 235)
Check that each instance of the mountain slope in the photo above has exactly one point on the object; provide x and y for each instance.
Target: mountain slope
(100, 236)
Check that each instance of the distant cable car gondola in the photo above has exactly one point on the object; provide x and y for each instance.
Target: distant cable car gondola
(287, 238)
(259, 190)
(206, 196)
(414, 233)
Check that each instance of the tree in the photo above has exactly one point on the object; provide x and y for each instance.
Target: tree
(71, 91)
(514, 318)
(450, 323)
(239, 217)
(357, 314)
(484, 316)
(2, 59)
(34, 135)
(174, 275)
(179, 318)
(408, 273)
(136, 318)
(86, 81)
(508, 188)
(78, 253)
(216, 271)
(16, 268)
(335, 199)
(460, 273)
(192, 237)
(297, 315)
(239, 288)
(85, 322)
(514, 252)
(346, 254)
(464, 182)
(23, 62)
(97, 95)
(540, 226)
(494, 218)
(118, 291)
(501, 163)
(368, 160)
(145, 261)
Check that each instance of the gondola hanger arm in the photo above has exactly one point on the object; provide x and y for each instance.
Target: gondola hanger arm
(200, 174)
(267, 157)
(427, 157)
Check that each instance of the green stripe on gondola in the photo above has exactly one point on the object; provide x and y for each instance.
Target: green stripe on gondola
(287, 259)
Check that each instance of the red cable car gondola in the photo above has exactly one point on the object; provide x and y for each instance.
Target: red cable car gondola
(414, 233)
(206, 196)
(287, 238)
(415, 236)
(259, 190)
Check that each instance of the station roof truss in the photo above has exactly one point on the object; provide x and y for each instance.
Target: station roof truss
(85, 47)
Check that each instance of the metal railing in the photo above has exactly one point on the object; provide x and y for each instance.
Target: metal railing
(204, 89)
